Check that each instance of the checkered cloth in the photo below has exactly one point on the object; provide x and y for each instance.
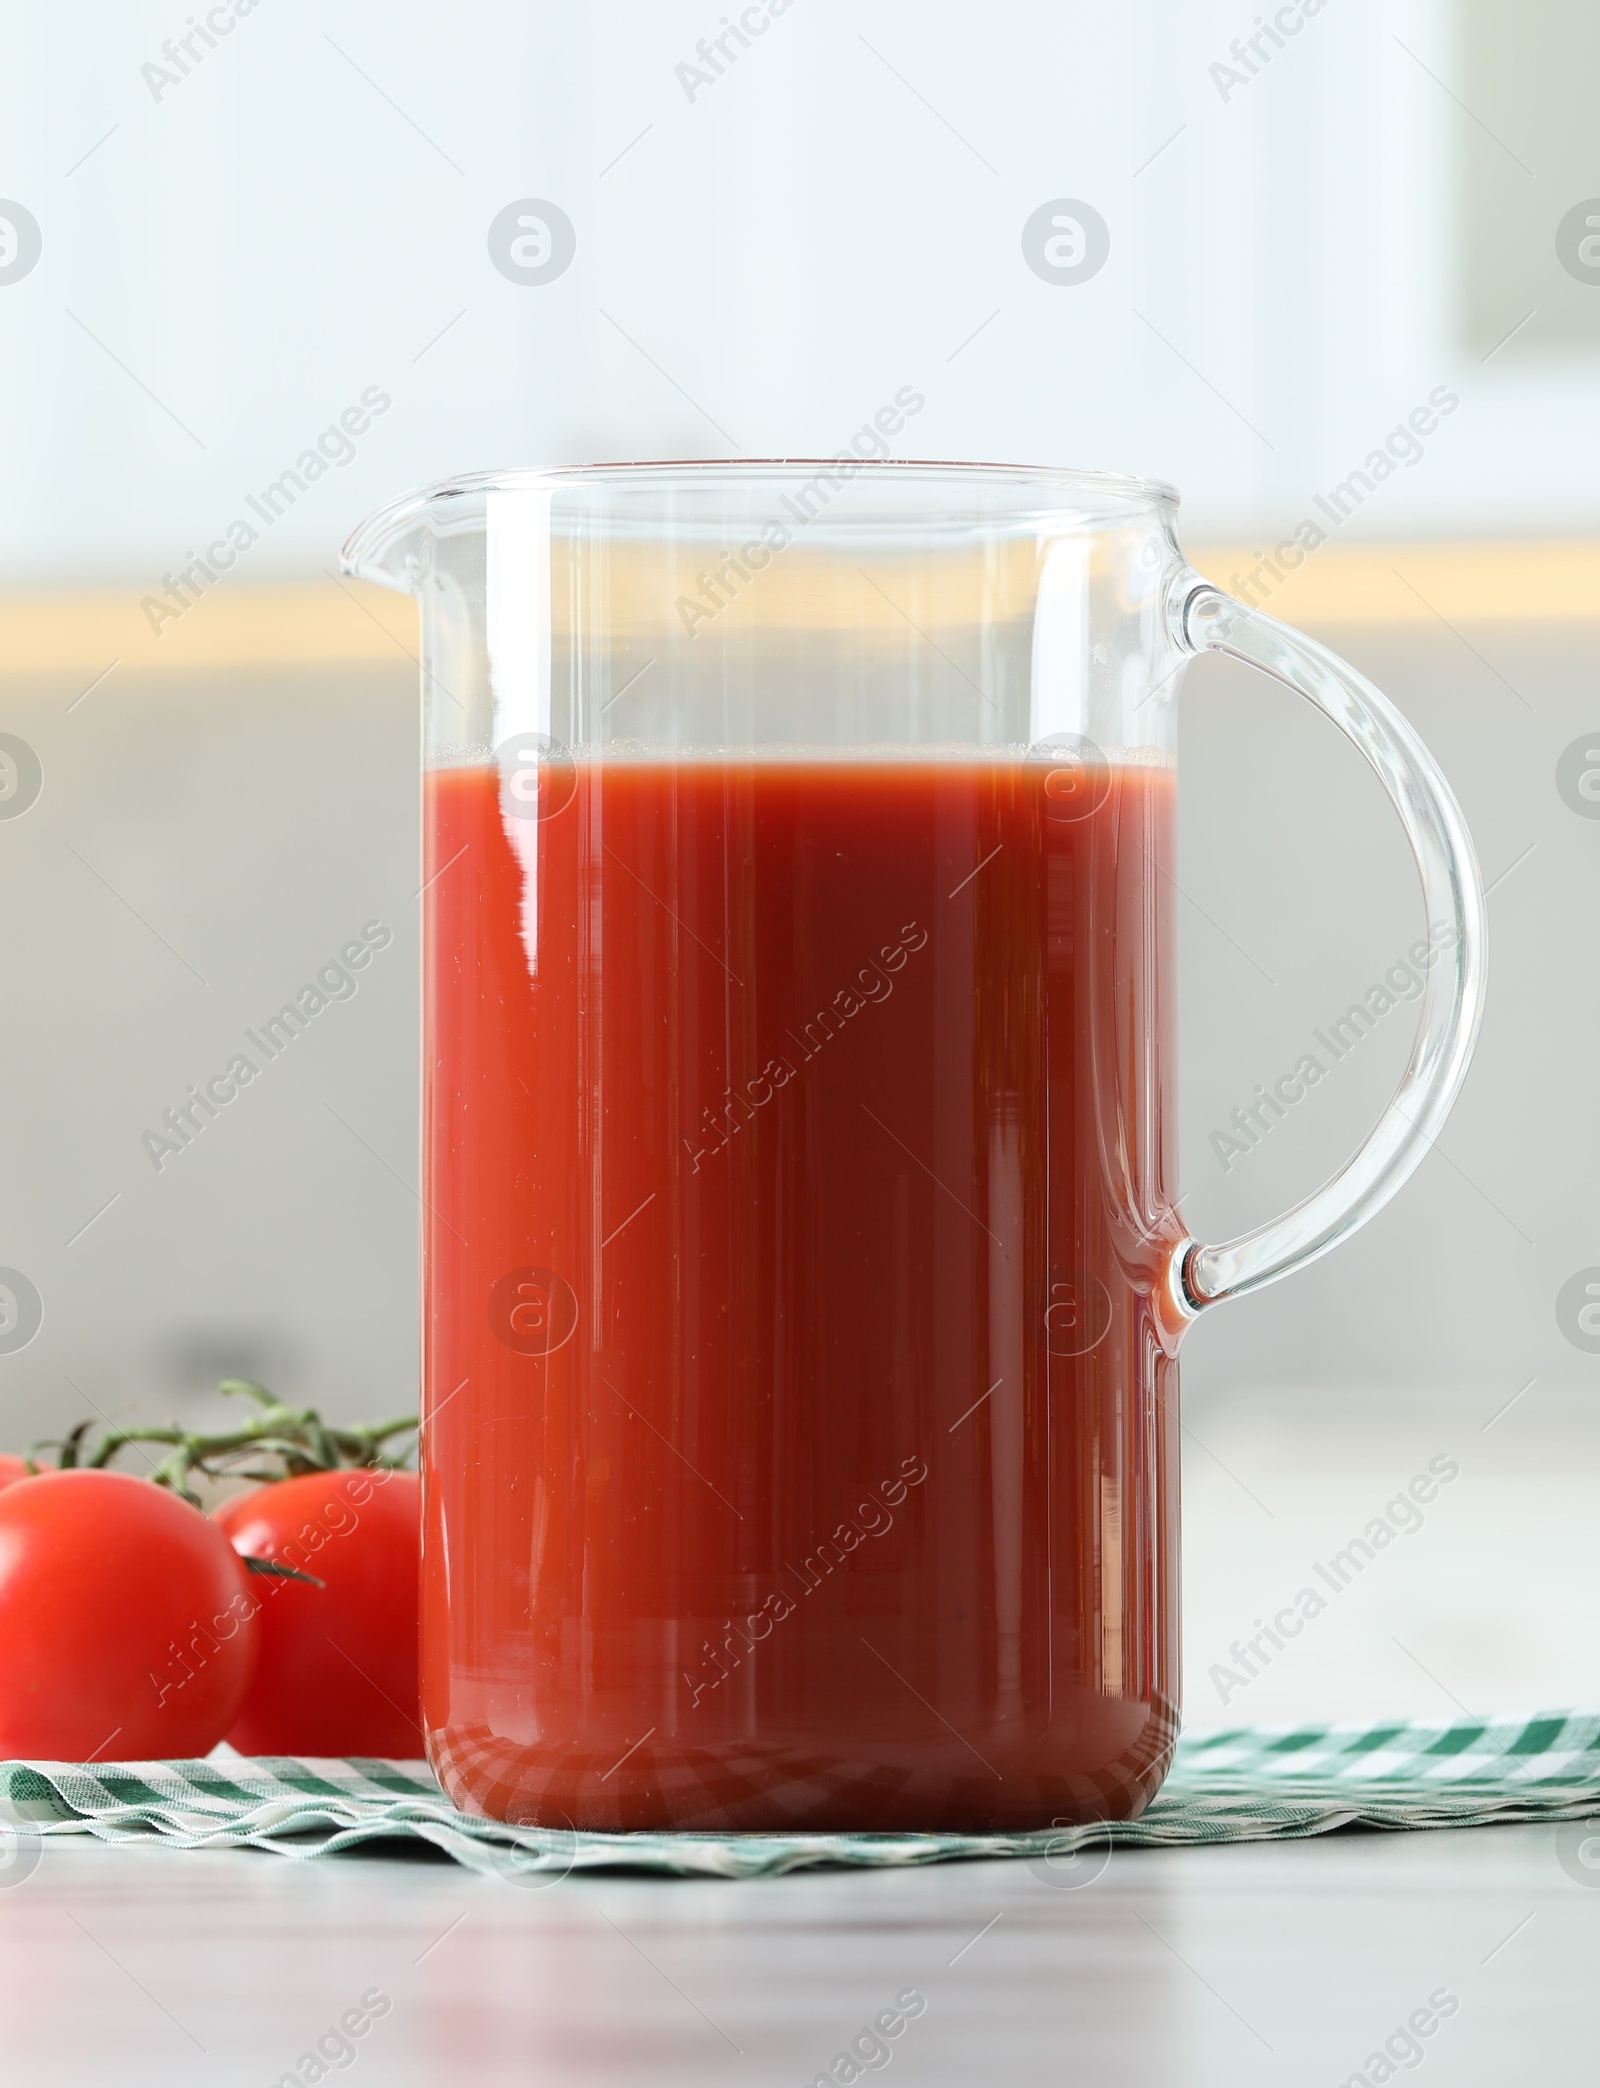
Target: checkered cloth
(1247, 1784)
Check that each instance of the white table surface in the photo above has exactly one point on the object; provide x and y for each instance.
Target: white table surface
(1283, 1963)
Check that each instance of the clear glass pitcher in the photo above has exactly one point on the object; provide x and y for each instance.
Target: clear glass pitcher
(803, 1282)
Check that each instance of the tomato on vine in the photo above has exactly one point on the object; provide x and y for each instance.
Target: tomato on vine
(128, 1621)
(337, 1669)
(133, 1625)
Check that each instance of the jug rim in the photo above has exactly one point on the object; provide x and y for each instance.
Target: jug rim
(365, 545)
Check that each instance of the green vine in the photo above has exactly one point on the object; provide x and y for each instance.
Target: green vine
(292, 1440)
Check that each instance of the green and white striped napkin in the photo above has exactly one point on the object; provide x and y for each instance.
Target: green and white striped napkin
(1245, 1784)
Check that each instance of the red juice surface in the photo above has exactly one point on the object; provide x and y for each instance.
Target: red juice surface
(797, 1170)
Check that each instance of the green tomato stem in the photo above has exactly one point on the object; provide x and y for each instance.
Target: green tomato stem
(296, 1438)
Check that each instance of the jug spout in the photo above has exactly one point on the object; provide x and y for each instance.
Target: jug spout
(393, 547)
(431, 544)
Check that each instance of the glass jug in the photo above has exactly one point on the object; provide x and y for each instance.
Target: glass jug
(803, 1282)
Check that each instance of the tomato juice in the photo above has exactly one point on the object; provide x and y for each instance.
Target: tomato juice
(798, 1145)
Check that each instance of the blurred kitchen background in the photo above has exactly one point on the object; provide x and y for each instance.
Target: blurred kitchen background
(221, 231)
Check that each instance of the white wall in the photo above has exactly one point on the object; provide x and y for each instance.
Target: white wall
(278, 232)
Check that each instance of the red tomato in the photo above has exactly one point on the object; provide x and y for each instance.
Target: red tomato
(12, 1468)
(127, 1625)
(337, 1671)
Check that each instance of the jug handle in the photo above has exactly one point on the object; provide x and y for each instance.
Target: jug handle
(1204, 619)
